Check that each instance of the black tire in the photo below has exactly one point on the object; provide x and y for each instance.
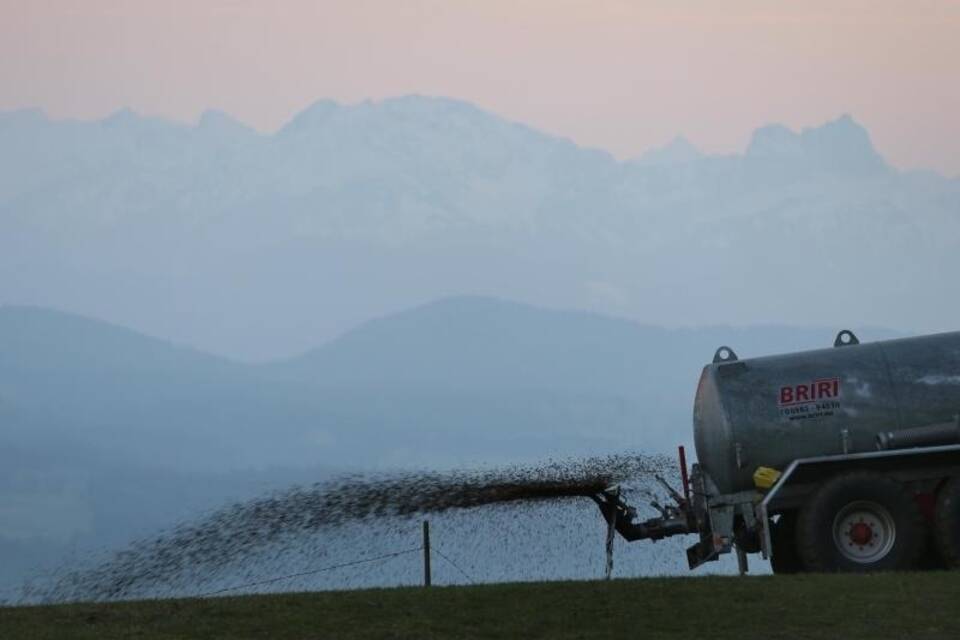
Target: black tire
(946, 523)
(783, 543)
(860, 522)
(932, 559)
(746, 540)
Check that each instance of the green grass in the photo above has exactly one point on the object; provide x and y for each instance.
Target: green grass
(810, 606)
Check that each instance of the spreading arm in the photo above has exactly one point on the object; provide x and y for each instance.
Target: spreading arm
(675, 519)
(613, 508)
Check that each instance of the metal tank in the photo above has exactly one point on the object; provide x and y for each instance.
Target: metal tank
(772, 410)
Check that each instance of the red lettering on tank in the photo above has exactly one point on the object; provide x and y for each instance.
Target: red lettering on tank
(824, 389)
(786, 395)
(806, 392)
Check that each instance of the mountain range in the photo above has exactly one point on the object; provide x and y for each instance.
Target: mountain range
(257, 246)
(481, 293)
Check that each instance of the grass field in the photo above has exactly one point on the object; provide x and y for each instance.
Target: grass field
(882, 606)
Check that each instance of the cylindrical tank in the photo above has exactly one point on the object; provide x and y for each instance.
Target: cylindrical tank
(770, 411)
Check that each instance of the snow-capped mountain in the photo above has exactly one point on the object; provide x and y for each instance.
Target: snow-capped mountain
(258, 245)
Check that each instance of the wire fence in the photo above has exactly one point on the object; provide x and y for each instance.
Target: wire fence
(8, 595)
(300, 574)
(435, 552)
(453, 564)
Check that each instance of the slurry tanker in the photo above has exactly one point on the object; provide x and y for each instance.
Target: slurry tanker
(838, 459)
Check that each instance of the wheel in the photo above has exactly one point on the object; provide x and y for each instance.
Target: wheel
(784, 545)
(746, 540)
(858, 522)
(946, 523)
(932, 559)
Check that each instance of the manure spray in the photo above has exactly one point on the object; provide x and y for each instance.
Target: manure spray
(200, 548)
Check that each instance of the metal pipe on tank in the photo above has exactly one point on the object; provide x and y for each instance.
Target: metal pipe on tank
(926, 436)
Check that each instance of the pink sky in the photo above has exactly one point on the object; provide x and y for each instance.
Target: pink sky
(621, 75)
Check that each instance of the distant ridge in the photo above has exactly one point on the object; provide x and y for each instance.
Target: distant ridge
(838, 147)
(764, 140)
(450, 364)
(262, 245)
(677, 152)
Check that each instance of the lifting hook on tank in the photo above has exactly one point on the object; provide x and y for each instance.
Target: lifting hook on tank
(846, 338)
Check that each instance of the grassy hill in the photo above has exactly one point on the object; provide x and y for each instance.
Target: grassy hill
(808, 606)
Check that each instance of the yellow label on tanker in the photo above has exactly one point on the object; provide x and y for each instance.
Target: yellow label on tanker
(765, 477)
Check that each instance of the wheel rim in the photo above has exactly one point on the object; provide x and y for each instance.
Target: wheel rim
(864, 532)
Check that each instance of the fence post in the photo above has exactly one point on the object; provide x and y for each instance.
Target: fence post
(426, 553)
(611, 530)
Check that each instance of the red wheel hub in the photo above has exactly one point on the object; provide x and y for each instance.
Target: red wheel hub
(861, 533)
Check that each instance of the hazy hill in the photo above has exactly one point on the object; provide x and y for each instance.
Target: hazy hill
(109, 433)
(458, 379)
(612, 383)
(263, 245)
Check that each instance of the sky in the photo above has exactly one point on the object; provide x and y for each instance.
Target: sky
(623, 75)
